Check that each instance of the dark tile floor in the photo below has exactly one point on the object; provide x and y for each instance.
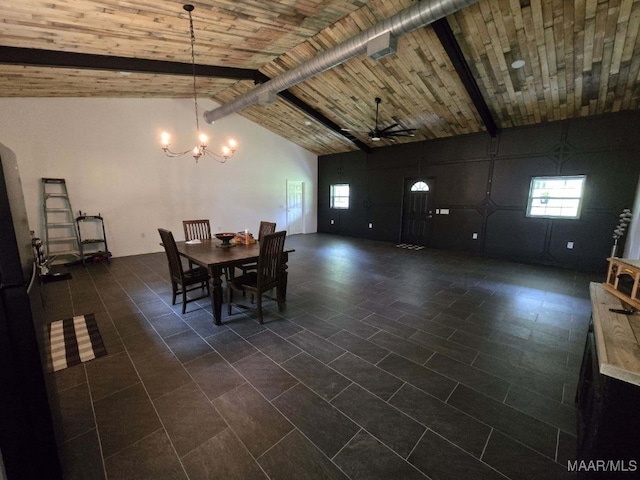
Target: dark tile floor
(387, 363)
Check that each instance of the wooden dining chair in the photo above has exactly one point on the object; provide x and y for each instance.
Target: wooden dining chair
(196, 229)
(182, 281)
(265, 229)
(267, 276)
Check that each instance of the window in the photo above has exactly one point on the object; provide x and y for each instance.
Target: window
(340, 195)
(419, 187)
(556, 197)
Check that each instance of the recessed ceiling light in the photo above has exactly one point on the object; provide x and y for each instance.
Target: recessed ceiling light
(518, 64)
(125, 73)
(308, 123)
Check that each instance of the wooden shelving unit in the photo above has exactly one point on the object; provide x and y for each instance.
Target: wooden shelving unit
(90, 246)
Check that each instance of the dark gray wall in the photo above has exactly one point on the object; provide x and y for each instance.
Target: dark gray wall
(485, 187)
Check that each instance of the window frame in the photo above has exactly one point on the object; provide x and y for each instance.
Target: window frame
(333, 196)
(531, 198)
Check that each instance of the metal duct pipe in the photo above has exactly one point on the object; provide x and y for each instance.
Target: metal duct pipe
(424, 13)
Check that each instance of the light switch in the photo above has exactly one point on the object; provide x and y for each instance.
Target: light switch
(474, 236)
(570, 245)
(332, 222)
(371, 225)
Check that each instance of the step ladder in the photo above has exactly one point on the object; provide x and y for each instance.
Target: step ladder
(60, 233)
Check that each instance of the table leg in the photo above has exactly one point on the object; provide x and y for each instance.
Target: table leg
(216, 295)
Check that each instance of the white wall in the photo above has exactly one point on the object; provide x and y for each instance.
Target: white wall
(108, 151)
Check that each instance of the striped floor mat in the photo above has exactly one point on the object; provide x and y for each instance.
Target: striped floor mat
(74, 340)
(408, 246)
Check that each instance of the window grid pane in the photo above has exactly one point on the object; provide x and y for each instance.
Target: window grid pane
(340, 196)
(556, 197)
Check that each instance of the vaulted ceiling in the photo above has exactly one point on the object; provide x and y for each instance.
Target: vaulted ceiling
(448, 78)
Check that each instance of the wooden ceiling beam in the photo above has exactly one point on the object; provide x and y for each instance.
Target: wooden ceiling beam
(451, 46)
(52, 58)
(316, 115)
(57, 59)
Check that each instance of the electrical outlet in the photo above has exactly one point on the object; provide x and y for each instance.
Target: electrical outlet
(371, 225)
(332, 222)
(474, 236)
(570, 245)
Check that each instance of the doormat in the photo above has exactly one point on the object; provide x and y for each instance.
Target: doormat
(74, 340)
(408, 246)
(55, 277)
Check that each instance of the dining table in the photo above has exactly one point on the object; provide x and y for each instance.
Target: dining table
(218, 257)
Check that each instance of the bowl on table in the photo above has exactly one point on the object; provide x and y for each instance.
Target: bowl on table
(226, 238)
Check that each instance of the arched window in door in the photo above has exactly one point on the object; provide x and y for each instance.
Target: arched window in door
(419, 187)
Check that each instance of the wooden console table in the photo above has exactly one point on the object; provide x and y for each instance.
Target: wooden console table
(616, 336)
(608, 394)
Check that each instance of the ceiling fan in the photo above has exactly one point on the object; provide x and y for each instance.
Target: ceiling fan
(376, 134)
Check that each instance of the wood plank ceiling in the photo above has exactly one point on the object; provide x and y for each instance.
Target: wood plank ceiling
(581, 58)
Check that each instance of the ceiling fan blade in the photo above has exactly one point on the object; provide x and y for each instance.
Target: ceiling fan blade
(376, 134)
(388, 128)
(351, 130)
(407, 132)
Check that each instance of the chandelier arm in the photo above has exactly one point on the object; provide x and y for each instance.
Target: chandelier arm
(171, 154)
(219, 158)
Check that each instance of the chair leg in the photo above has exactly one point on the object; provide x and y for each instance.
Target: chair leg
(259, 301)
(184, 300)
(229, 299)
(174, 290)
(279, 299)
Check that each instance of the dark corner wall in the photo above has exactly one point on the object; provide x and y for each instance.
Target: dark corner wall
(485, 186)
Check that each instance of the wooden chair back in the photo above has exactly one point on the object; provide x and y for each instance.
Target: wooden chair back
(270, 260)
(265, 229)
(173, 257)
(196, 229)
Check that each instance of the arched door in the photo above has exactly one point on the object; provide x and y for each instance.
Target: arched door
(417, 211)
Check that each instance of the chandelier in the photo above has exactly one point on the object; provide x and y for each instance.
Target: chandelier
(200, 149)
